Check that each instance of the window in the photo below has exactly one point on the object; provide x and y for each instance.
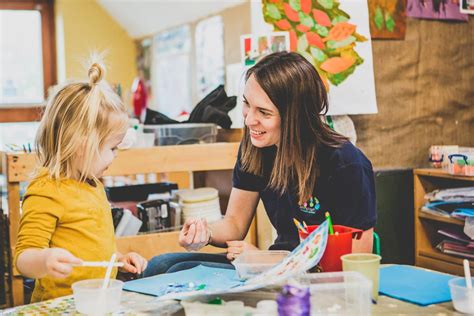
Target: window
(27, 57)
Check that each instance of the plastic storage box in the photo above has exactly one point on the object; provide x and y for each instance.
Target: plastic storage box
(251, 263)
(462, 163)
(339, 293)
(182, 134)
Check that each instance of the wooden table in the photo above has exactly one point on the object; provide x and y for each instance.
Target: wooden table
(134, 303)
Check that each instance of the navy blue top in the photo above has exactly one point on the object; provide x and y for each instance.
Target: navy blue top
(345, 187)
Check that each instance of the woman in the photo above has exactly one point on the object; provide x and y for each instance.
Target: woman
(290, 159)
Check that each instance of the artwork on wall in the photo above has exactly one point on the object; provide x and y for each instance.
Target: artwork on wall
(253, 47)
(387, 19)
(435, 9)
(209, 55)
(171, 74)
(466, 6)
(334, 36)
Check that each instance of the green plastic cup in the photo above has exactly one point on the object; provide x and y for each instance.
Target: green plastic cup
(366, 263)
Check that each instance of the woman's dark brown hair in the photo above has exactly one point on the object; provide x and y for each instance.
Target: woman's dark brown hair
(295, 88)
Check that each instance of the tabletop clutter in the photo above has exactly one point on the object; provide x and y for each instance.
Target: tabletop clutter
(288, 289)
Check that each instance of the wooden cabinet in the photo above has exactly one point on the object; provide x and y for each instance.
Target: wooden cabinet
(175, 160)
(427, 225)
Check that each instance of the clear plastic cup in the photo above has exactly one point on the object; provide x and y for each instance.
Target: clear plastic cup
(463, 298)
(90, 299)
(366, 263)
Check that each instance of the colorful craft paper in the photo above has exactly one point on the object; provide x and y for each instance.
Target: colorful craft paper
(218, 281)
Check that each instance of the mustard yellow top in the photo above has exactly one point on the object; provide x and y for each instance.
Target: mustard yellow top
(71, 215)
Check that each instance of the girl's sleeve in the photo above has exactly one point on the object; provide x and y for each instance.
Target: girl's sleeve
(40, 215)
(353, 196)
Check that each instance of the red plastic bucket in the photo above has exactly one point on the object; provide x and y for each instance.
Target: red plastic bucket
(337, 245)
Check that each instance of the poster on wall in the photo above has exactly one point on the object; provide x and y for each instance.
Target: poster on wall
(255, 46)
(435, 10)
(466, 6)
(387, 19)
(335, 37)
(209, 55)
(171, 83)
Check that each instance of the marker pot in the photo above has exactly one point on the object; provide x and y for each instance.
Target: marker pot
(337, 246)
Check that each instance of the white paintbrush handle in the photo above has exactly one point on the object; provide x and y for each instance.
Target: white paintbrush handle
(467, 274)
(109, 271)
(102, 264)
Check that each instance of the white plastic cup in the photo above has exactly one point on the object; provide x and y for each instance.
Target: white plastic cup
(91, 299)
(463, 297)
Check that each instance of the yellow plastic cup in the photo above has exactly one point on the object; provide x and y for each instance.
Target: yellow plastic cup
(366, 263)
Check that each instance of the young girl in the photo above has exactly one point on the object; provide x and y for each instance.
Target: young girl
(66, 217)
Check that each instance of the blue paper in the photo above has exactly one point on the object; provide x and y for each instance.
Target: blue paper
(414, 285)
(215, 279)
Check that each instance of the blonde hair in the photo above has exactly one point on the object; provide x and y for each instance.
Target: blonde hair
(77, 121)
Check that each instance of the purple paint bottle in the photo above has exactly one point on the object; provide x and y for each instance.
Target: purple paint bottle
(294, 301)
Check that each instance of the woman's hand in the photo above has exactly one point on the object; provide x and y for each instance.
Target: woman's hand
(236, 247)
(58, 262)
(133, 263)
(194, 235)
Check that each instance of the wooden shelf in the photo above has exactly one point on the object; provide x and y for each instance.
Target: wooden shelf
(440, 173)
(427, 225)
(448, 220)
(436, 254)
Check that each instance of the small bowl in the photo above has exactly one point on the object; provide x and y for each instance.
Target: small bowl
(90, 299)
(251, 263)
(463, 298)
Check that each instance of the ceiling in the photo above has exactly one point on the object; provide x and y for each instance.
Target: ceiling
(141, 18)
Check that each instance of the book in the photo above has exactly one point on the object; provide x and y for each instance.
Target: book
(456, 234)
(455, 248)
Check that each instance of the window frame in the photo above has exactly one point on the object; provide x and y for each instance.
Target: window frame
(31, 112)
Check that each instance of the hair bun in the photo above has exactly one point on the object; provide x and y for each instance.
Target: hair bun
(96, 73)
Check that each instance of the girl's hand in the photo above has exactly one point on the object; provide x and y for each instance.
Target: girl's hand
(133, 263)
(58, 262)
(236, 247)
(194, 235)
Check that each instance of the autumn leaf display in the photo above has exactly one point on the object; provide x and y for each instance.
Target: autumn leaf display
(320, 31)
(387, 19)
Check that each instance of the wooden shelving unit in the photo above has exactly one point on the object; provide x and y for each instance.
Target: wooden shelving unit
(177, 161)
(427, 225)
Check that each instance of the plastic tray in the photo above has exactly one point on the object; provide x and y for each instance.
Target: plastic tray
(251, 263)
(183, 134)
